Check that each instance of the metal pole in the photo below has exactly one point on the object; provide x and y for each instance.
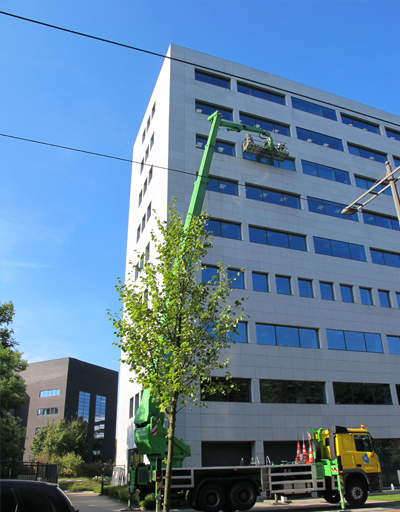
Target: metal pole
(393, 189)
(102, 479)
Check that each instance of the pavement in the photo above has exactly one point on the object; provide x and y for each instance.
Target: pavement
(91, 502)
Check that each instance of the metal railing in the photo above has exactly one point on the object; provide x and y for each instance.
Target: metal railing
(29, 471)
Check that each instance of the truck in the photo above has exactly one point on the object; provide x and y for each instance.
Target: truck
(343, 462)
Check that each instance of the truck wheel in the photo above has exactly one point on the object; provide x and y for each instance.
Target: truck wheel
(211, 498)
(356, 493)
(243, 496)
(191, 501)
(331, 496)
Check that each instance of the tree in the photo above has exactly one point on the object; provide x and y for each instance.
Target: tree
(171, 328)
(62, 438)
(6, 318)
(12, 387)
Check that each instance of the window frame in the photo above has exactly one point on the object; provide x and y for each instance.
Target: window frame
(199, 76)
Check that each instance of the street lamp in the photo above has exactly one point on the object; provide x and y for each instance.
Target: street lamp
(357, 205)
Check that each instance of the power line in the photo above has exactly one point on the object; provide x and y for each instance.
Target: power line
(156, 54)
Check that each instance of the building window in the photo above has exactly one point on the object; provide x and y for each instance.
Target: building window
(287, 164)
(49, 392)
(269, 195)
(354, 341)
(277, 238)
(240, 393)
(138, 233)
(100, 413)
(209, 78)
(149, 211)
(223, 229)
(143, 222)
(346, 292)
(84, 405)
(305, 288)
(283, 285)
(131, 408)
(152, 141)
(329, 208)
(393, 344)
(384, 299)
(284, 336)
(143, 135)
(153, 109)
(223, 186)
(320, 139)
(360, 123)
(382, 221)
(236, 278)
(150, 174)
(339, 249)
(137, 402)
(146, 155)
(367, 183)
(366, 296)
(292, 392)
(313, 108)
(355, 393)
(38, 429)
(99, 431)
(141, 166)
(370, 154)
(325, 172)
(210, 275)
(208, 109)
(241, 336)
(223, 147)
(392, 134)
(326, 290)
(144, 187)
(140, 198)
(47, 411)
(390, 259)
(398, 299)
(260, 282)
(147, 252)
(396, 161)
(260, 93)
(264, 124)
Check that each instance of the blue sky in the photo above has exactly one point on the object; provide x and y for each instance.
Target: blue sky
(63, 215)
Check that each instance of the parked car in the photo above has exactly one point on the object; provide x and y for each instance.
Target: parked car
(32, 496)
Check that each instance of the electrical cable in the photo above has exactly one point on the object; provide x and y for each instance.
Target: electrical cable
(156, 54)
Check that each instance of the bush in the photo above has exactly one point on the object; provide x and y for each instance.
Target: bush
(96, 469)
(118, 492)
(79, 486)
(69, 464)
(148, 503)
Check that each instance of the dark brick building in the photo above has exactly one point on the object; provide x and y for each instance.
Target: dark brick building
(67, 388)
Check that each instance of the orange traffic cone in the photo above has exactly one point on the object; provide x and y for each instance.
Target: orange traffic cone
(310, 454)
(305, 456)
(298, 456)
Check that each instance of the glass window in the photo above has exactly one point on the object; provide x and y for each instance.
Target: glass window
(223, 229)
(287, 164)
(257, 235)
(382, 221)
(100, 412)
(152, 141)
(346, 293)
(222, 147)
(287, 336)
(370, 154)
(366, 296)
(277, 239)
(283, 285)
(354, 341)
(330, 208)
(319, 138)
(335, 339)
(313, 108)
(241, 336)
(305, 288)
(392, 134)
(265, 334)
(398, 299)
(272, 196)
(209, 275)
(325, 172)
(354, 393)
(149, 211)
(270, 126)
(209, 78)
(240, 392)
(49, 392)
(47, 411)
(367, 183)
(237, 278)
(339, 249)
(208, 109)
(260, 282)
(373, 342)
(360, 123)
(223, 186)
(393, 344)
(292, 392)
(308, 338)
(140, 198)
(150, 174)
(83, 405)
(260, 93)
(326, 291)
(384, 298)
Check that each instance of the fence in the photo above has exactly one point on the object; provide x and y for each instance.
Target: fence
(29, 471)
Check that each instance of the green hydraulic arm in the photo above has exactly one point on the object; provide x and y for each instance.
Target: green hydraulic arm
(150, 433)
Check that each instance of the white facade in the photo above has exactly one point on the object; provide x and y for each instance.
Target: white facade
(171, 119)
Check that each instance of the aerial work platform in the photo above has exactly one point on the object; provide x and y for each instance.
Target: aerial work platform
(266, 149)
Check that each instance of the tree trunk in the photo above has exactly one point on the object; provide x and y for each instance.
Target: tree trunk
(170, 455)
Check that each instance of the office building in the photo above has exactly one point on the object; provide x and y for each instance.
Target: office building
(68, 388)
(321, 344)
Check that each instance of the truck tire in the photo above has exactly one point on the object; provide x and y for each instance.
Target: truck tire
(331, 496)
(211, 498)
(191, 502)
(356, 493)
(243, 496)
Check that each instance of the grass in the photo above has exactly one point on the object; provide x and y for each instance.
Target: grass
(87, 484)
(385, 497)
